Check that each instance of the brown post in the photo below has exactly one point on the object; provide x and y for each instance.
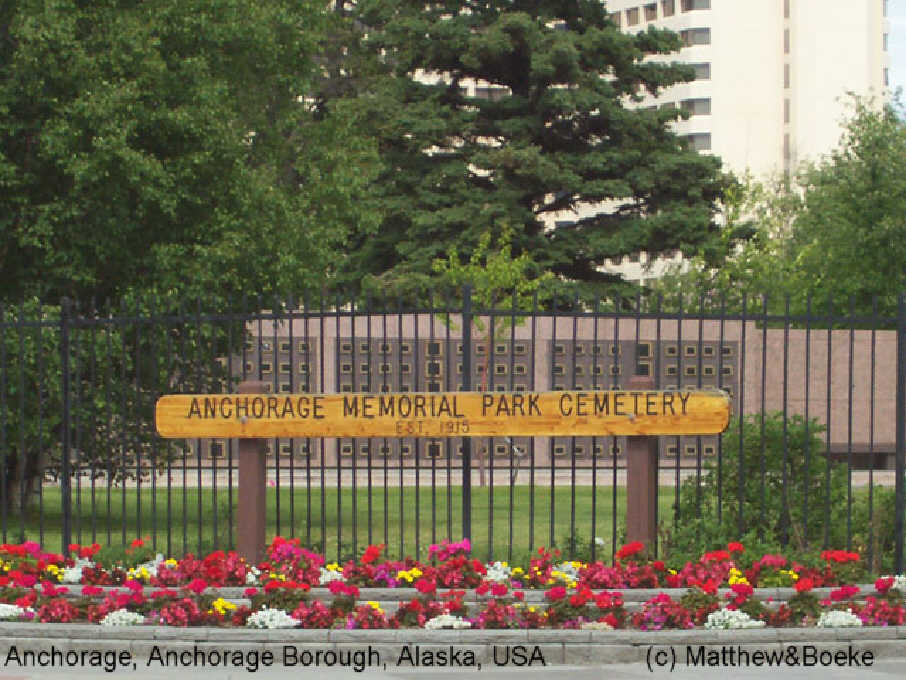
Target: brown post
(641, 480)
(251, 515)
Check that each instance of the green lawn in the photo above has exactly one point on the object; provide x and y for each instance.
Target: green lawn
(197, 521)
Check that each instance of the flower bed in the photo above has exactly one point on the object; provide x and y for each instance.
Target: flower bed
(451, 590)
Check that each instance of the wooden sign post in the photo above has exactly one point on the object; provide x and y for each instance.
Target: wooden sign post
(639, 412)
(251, 513)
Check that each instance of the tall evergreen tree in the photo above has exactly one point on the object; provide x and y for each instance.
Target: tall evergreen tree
(554, 145)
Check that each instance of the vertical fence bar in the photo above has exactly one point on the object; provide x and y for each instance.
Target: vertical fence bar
(534, 354)
(65, 488)
(871, 434)
(784, 527)
(849, 428)
(740, 519)
(808, 440)
(900, 433)
(4, 419)
(467, 387)
(827, 452)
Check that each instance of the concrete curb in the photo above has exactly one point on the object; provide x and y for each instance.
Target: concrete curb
(396, 647)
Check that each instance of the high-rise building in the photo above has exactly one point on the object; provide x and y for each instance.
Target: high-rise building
(772, 76)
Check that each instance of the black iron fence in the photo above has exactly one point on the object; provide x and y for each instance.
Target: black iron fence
(815, 457)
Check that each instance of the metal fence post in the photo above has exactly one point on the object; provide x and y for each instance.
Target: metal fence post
(65, 482)
(900, 432)
(466, 387)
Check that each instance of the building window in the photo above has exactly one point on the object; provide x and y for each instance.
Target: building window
(786, 146)
(702, 71)
(885, 8)
(786, 41)
(786, 110)
(689, 5)
(616, 18)
(885, 41)
(886, 77)
(696, 36)
(493, 94)
(651, 12)
(632, 16)
(698, 142)
(786, 8)
(668, 8)
(786, 76)
(697, 107)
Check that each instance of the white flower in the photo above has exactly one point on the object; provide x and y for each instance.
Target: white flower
(568, 569)
(73, 574)
(731, 618)
(122, 617)
(596, 625)
(11, 612)
(838, 619)
(498, 572)
(271, 618)
(327, 576)
(447, 621)
(599, 542)
(251, 577)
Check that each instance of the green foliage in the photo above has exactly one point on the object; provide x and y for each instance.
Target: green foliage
(115, 373)
(758, 494)
(170, 146)
(810, 236)
(550, 143)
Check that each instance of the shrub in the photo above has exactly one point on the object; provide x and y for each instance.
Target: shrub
(774, 491)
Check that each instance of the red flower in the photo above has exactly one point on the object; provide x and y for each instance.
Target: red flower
(882, 585)
(425, 586)
(658, 565)
(250, 592)
(137, 543)
(91, 590)
(372, 552)
(804, 585)
(483, 588)
(843, 593)
(716, 556)
(742, 589)
(197, 585)
(499, 590)
(519, 595)
(629, 550)
(735, 547)
(556, 593)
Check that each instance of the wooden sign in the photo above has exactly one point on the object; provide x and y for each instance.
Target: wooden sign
(444, 414)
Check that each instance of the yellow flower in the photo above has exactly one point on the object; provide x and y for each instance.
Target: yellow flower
(531, 609)
(518, 570)
(376, 607)
(222, 606)
(170, 562)
(334, 566)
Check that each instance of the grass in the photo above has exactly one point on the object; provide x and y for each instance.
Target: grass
(407, 520)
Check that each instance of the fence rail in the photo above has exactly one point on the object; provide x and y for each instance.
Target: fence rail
(818, 451)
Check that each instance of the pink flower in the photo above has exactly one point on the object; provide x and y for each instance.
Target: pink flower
(250, 592)
(91, 590)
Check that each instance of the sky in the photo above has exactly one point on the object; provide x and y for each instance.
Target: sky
(896, 13)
